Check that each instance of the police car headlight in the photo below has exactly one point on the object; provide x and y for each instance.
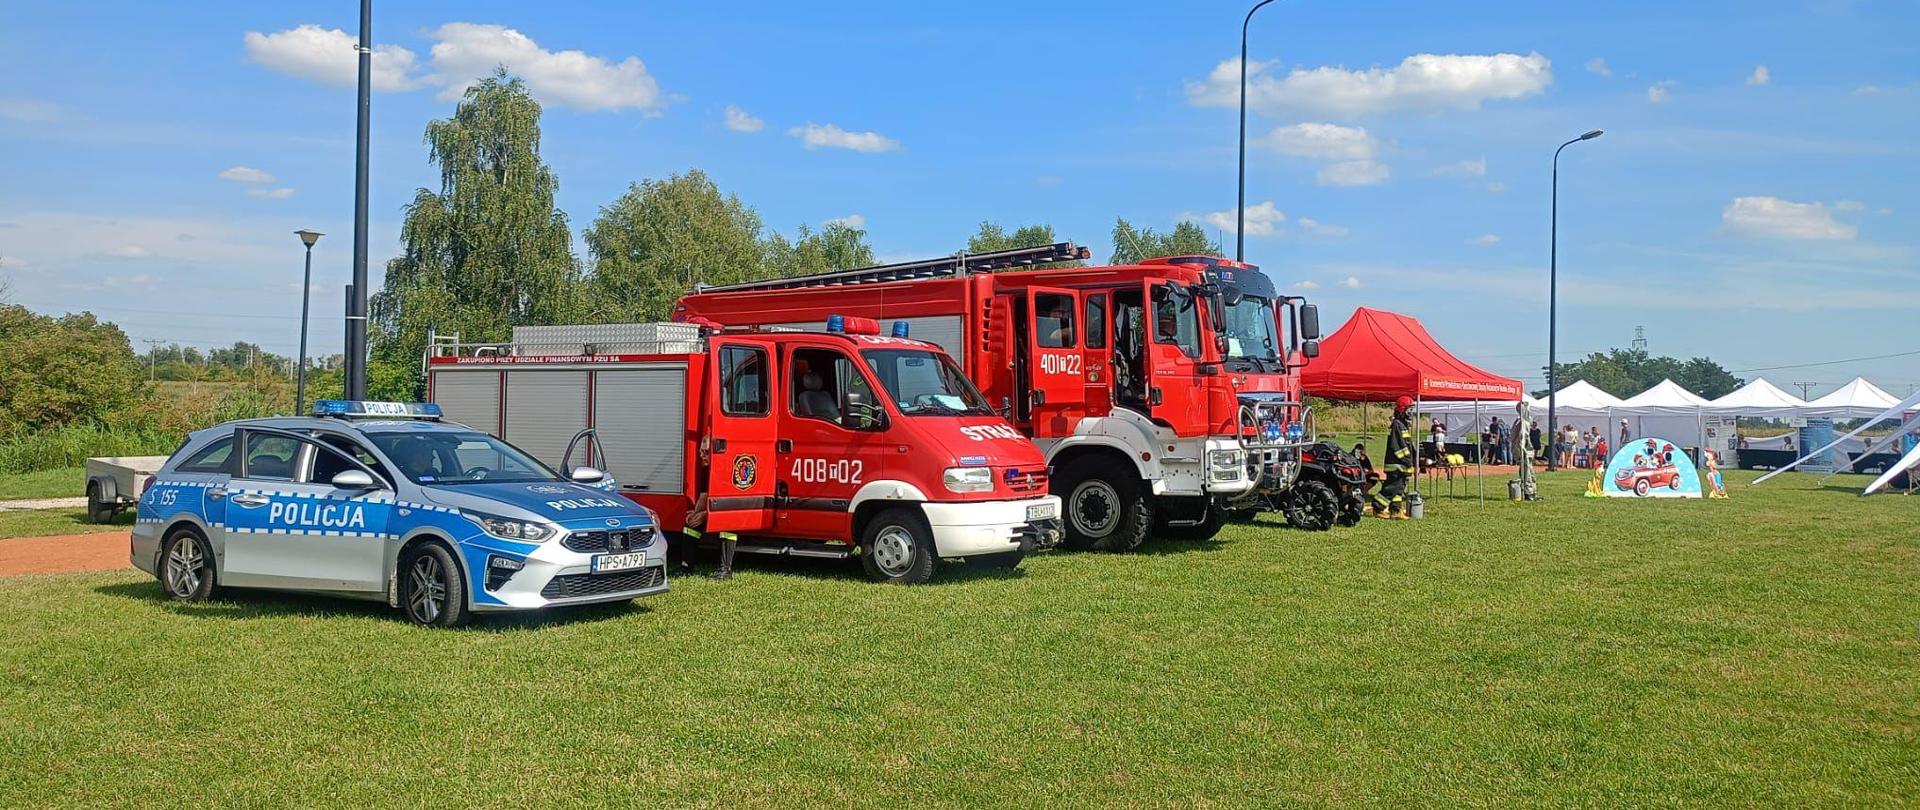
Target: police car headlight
(968, 479)
(510, 529)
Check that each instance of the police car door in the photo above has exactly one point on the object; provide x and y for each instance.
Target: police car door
(286, 530)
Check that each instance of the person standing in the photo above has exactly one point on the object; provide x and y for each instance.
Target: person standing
(1390, 502)
(1625, 437)
(1533, 439)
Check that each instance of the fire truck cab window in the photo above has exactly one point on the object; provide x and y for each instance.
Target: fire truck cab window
(1097, 321)
(1053, 320)
(743, 381)
(824, 384)
(1176, 319)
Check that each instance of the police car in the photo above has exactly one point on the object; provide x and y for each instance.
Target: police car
(382, 500)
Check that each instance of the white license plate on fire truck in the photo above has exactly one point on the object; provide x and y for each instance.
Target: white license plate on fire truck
(603, 563)
(1042, 511)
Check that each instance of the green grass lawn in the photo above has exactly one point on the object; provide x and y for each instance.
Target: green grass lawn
(70, 482)
(43, 522)
(1757, 651)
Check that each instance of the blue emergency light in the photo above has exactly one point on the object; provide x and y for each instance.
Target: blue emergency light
(836, 324)
(900, 329)
(347, 408)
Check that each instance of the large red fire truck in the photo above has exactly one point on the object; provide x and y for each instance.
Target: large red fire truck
(1162, 392)
(846, 443)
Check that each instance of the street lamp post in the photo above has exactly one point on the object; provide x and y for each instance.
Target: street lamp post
(1553, 293)
(307, 237)
(1240, 202)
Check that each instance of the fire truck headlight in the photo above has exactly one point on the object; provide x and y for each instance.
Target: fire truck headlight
(510, 529)
(968, 479)
(1226, 465)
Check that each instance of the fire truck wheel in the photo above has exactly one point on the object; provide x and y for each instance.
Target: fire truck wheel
(433, 592)
(1106, 509)
(897, 548)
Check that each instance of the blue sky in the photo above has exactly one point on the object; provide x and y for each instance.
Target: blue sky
(155, 158)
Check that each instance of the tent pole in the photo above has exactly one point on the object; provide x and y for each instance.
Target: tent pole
(1480, 453)
(1416, 452)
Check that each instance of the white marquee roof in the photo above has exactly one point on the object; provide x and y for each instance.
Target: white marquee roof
(1759, 399)
(1666, 398)
(1855, 400)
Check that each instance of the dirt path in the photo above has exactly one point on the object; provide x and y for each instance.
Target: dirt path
(43, 503)
(99, 551)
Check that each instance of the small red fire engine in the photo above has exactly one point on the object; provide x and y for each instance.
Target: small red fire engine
(1162, 392)
(829, 444)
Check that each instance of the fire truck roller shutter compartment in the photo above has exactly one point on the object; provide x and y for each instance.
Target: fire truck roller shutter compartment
(641, 417)
(470, 397)
(545, 408)
(939, 330)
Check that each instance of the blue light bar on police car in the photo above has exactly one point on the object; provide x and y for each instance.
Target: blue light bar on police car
(350, 408)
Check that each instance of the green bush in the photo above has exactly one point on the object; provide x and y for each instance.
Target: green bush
(72, 445)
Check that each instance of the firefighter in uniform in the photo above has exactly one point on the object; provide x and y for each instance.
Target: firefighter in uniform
(1391, 501)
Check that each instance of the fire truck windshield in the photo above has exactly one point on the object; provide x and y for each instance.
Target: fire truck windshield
(924, 383)
(1252, 331)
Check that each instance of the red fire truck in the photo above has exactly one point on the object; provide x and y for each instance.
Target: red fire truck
(839, 444)
(1162, 392)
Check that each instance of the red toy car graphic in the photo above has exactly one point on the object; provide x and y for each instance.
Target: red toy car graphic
(1643, 479)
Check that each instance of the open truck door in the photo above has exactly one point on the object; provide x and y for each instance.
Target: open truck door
(740, 438)
(1056, 359)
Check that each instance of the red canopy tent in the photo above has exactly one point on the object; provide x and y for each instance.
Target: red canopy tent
(1380, 356)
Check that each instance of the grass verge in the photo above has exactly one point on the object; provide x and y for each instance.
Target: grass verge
(64, 482)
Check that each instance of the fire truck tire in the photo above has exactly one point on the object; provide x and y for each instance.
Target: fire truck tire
(1106, 508)
(897, 548)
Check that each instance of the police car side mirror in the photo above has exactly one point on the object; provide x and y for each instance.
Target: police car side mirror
(353, 479)
(587, 475)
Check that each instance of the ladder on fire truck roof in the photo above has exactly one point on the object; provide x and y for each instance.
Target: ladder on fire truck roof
(957, 265)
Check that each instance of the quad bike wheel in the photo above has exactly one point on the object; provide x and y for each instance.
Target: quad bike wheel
(1311, 505)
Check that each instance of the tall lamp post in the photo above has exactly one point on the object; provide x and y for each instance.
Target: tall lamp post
(306, 292)
(1553, 298)
(1240, 202)
(356, 387)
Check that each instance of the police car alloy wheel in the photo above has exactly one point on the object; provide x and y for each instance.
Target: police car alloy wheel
(432, 591)
(186, 567)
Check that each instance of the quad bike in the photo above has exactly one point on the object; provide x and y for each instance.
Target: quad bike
(1330, 489)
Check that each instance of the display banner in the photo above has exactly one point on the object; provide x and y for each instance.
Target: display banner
(1651, 468)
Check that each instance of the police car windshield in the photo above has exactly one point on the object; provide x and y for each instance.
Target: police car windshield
(441, 458)
(924, 383)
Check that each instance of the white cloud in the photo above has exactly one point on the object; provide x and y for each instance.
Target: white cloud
(330, 56)
(1661, 91)
(829, 136)
(130, 252)
(1760, 77)
(1328, 142)
(1598, 66)
(270, 193)
(1420, 82)
(855, 221)
(1309, 284)
(1353, 173)
(1351, 282)
(1465, 168)
(468, 52)
(1318, 228)
(740, 120)
(1775, 218)
(1262, 220)
(1849, 205)
(30, 111)
(1484, 240)
(245, 174)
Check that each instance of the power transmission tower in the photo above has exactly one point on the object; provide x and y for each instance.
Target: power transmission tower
(1639, 338)
(1805, 387)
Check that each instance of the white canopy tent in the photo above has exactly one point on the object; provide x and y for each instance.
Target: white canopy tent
(1759, 399)
(1578, 404)
(1895, 410)
(1667, 411)
(1858, 399)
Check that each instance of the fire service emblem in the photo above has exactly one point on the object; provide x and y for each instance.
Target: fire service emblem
(745, 470)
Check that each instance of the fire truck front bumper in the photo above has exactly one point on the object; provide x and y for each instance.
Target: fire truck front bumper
(991, 527)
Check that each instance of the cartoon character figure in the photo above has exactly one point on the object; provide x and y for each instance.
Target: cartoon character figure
(1718, 486)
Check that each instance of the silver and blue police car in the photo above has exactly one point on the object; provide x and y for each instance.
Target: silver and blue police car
(382, 500)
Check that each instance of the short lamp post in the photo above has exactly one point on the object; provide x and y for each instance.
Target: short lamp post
(1553, 298)
(307, 237)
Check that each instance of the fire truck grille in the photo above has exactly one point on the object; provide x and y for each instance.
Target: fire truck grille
(596, 542)
(1032, 479)
(576, 585)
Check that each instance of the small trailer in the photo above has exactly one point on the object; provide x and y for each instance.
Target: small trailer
(114, 483)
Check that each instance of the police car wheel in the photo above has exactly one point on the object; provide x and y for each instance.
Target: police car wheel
(186, 567)
(897, 548)
(433, 592)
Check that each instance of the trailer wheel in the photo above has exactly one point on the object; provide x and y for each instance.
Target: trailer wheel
(98, 511)
(1105, 507)
(897, 548)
